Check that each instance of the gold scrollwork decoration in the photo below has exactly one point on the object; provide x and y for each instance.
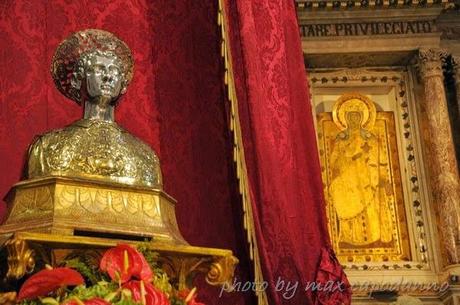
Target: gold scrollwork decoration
(222, 270)
(182, 270)
(21, 258)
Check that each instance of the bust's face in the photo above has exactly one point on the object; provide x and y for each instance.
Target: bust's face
(103, 77)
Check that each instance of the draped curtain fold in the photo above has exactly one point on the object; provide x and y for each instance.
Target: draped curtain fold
(175, 104)
(281, 159)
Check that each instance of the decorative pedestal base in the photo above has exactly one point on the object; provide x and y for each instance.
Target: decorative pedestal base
(25, 252)
(54, 219)
(91, 208)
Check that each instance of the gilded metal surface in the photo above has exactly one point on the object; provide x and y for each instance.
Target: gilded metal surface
(69, 205)
(92, 180)
(182, 269)
(95, 149)
(55, 241)
(221, 271)
(67, 60)
(21, 258)
(181, 262)
(94, 67)
(363, 185)
(8, 298)
(354, 104)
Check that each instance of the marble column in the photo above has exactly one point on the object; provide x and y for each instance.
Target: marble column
(440, 152)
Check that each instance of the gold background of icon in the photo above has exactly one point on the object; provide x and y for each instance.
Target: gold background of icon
(362, 182)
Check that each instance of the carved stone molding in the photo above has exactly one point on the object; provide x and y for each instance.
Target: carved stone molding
(407, 300)
(357, 4)
(430, 62)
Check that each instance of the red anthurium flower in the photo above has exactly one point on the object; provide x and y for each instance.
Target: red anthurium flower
(146, 293)
(124, 262)
(46, 281)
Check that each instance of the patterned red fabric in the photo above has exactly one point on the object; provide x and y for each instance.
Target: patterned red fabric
(280, 149)
(336, 289)
(175, 104)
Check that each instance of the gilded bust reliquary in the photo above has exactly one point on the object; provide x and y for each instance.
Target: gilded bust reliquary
(92, 184)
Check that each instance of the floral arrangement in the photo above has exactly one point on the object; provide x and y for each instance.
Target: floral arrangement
(125, 276)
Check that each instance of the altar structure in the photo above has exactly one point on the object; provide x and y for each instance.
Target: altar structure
(384, 78)
(92, 185)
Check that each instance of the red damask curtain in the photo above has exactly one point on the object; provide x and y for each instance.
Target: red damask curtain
(280, 152)
(174, 103)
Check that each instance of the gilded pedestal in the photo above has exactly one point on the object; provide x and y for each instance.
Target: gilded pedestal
(53, 218)
(27, 251)
(85, 207)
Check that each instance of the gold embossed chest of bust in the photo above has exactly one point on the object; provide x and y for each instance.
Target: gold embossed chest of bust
(95, 149)
(94, 68)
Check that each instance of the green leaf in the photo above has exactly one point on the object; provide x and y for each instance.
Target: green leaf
(90, 273)
(100, 290)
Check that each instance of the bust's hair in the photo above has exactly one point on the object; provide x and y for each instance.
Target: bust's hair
(67, 70)
(84, 61)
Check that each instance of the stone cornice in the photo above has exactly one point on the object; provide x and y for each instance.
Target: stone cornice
(364, 4)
